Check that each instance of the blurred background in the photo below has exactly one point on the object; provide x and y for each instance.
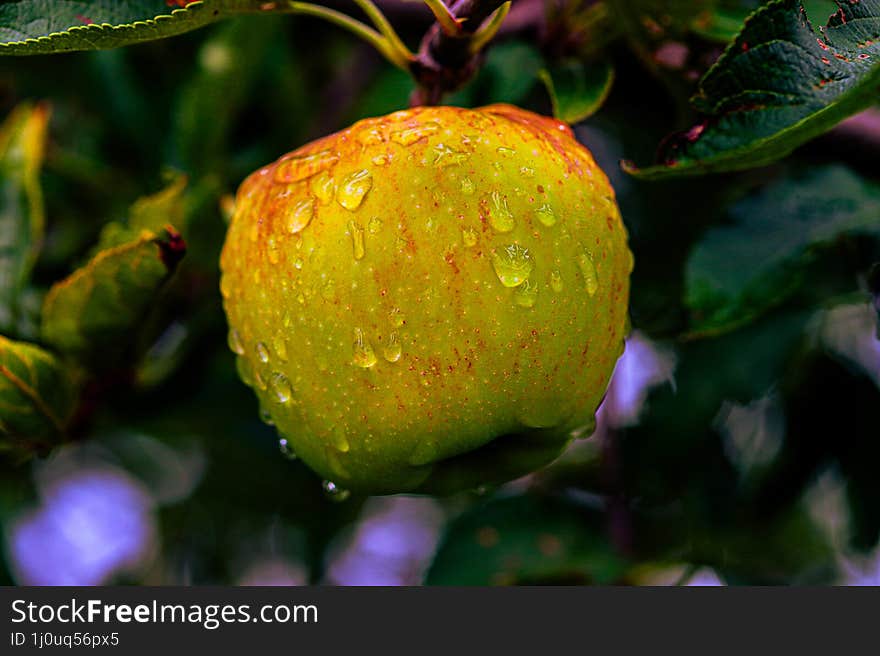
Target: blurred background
(746, 455)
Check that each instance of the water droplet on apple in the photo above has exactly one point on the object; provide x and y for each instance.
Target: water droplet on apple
(392, 350)
(513, 264)
(306, 166)
(556, 281)
(300, 215)
(235, 344)
(408, 136)
(500, 216)
(469, 237)
(281, 387)
(353, 189)
(334, 492)
(546, 215)
(364, 356)
(357, 239)
(286, 449)
(588, 271)
(526, 294)
(262, 352)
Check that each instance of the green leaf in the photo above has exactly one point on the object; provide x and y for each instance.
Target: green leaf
(22, 142)
(93, 314)
(778, 85)
(39, 27)
(740, 270)
(525, 539)
(577, 89)
(37, 398)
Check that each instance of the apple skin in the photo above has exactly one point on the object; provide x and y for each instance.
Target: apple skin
(431, 300)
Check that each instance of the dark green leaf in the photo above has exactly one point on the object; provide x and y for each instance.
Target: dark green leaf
(22, 142)
(740, 270)
(525, 539)
(93, 315)
(577, 89)
(37, 398)
(778, 85)
(37, 27)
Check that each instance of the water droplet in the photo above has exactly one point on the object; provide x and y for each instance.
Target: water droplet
(300, 215)
(526, 294)
(334, 492)
(262, 352)
(265, 417)
(357, 239)
(467, 186)
(500, 216)
(527, 172)
(340, 440)
(369, 137)
(245, 370)
(395, 317)
(226, 285)
(272, 250)
(281, 387)
(298, 264)
(279, 346)
(364, 356)
(258, 380)
(235, 344)
(630, 261)
(353, 189)
(286, 449)
(446, 156)
(506, 152)
(556, 281)
(588, 270)
(324, 187)
(513, 264)
(375, 225)
(301, 168)
(546, 215)
(392, 350)
(469, 237)
(408, 136)
(380, 160)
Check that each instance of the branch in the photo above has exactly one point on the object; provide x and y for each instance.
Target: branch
(446, 61)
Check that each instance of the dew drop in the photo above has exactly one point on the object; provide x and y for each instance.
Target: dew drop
(265, 417)
(300, 215)
(467, 186)
(392, 350)
(469, 237)
(546, 215)
(281, 387)
(380, 160)
(340, 440)
(262, 352)
(245, 370)
(286, 449)
(235, 344)
(258, 381)
(408, 136)
(279, 346)
(446, 156)
(526, 294)
(298, 264)
(556, 281)
(324, 187)
(353, 189)
(513, 264)
(301, 168)
(588, 270)
(357, 239)
(500, 216)
(369, 137)
(272, 251)
(505, 152)
(395, 316)
(334, 492)
(375, 225)
(527, 172)
(364, 356)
